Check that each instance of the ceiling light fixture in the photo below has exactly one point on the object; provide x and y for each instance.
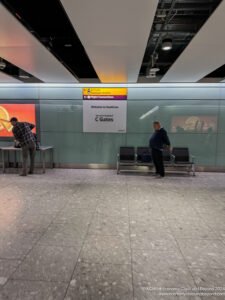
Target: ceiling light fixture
(161, 14)
(154, 70)
(167, 44)
(151, 73)
(23, 74)
(68, 45)
(2, 64)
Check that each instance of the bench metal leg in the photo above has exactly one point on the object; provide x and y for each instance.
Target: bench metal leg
(21, 159)
(118, 167)
(3, 161)
(193, 169)
(14, 163)
(43, 160)
(52, 158)
(7, 157)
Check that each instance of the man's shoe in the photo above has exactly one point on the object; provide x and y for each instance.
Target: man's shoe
(30, 172)
(22, 174)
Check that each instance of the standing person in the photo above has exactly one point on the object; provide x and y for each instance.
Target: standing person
(22, 132)
(156, 143)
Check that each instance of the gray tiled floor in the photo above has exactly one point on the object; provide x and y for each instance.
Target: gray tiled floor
(94, 235)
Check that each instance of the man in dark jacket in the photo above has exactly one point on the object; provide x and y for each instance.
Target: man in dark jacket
(22, 132)
(157, 142)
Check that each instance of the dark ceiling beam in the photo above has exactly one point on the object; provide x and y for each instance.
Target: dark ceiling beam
(163, 26)
(191, 6)
(178, 42)
(184, 23)
(190, 1)
(175, 31)
(159, 64)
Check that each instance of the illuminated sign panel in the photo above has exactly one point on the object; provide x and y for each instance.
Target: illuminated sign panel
(23, 112)
(105, 93)
(105, 110)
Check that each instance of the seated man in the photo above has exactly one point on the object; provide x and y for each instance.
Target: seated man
(22, 132)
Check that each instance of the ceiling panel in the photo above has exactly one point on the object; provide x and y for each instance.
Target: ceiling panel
(18, 46)
(4, 78)
(204, 54)
(114, 34)
(58, 35)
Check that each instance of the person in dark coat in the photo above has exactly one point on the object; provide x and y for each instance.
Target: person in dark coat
(157, 142)
(22, 132)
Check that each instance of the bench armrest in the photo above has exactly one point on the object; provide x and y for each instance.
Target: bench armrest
(172, 157)
(192, 158)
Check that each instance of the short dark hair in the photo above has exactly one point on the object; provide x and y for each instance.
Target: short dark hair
(13, 119)
(156, 122)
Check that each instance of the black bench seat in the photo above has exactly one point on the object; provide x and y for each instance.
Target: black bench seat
(178, 158)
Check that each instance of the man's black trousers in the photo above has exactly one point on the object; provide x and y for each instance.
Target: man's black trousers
(157, 158)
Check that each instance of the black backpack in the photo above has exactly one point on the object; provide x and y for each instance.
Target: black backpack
(146, 157)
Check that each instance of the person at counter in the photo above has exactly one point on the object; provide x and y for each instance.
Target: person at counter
(157, 142)
(22, 132)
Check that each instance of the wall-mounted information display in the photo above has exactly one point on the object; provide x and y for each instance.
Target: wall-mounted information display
(105, 110)
(105, 93)
(24, 112)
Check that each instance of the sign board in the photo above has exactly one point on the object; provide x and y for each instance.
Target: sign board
(24, 113)
(104, 110)
(105, 93)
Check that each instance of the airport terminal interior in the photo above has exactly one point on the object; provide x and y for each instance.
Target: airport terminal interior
(120, 107)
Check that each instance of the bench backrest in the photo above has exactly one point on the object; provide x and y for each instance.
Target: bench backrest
(181, 154)
(141, 151)
(127, 153)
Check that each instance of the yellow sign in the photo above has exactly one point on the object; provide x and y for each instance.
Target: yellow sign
(105, 93)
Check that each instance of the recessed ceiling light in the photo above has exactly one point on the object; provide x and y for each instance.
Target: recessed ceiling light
(154, 70)
(2, 64)
(68, 45)
(24, 76)
(161, 14)
(151, 73)
(167, 44)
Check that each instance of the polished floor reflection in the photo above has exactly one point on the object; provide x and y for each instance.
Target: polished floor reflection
(94, 235)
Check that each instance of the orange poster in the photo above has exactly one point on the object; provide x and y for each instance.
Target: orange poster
(23, 112)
